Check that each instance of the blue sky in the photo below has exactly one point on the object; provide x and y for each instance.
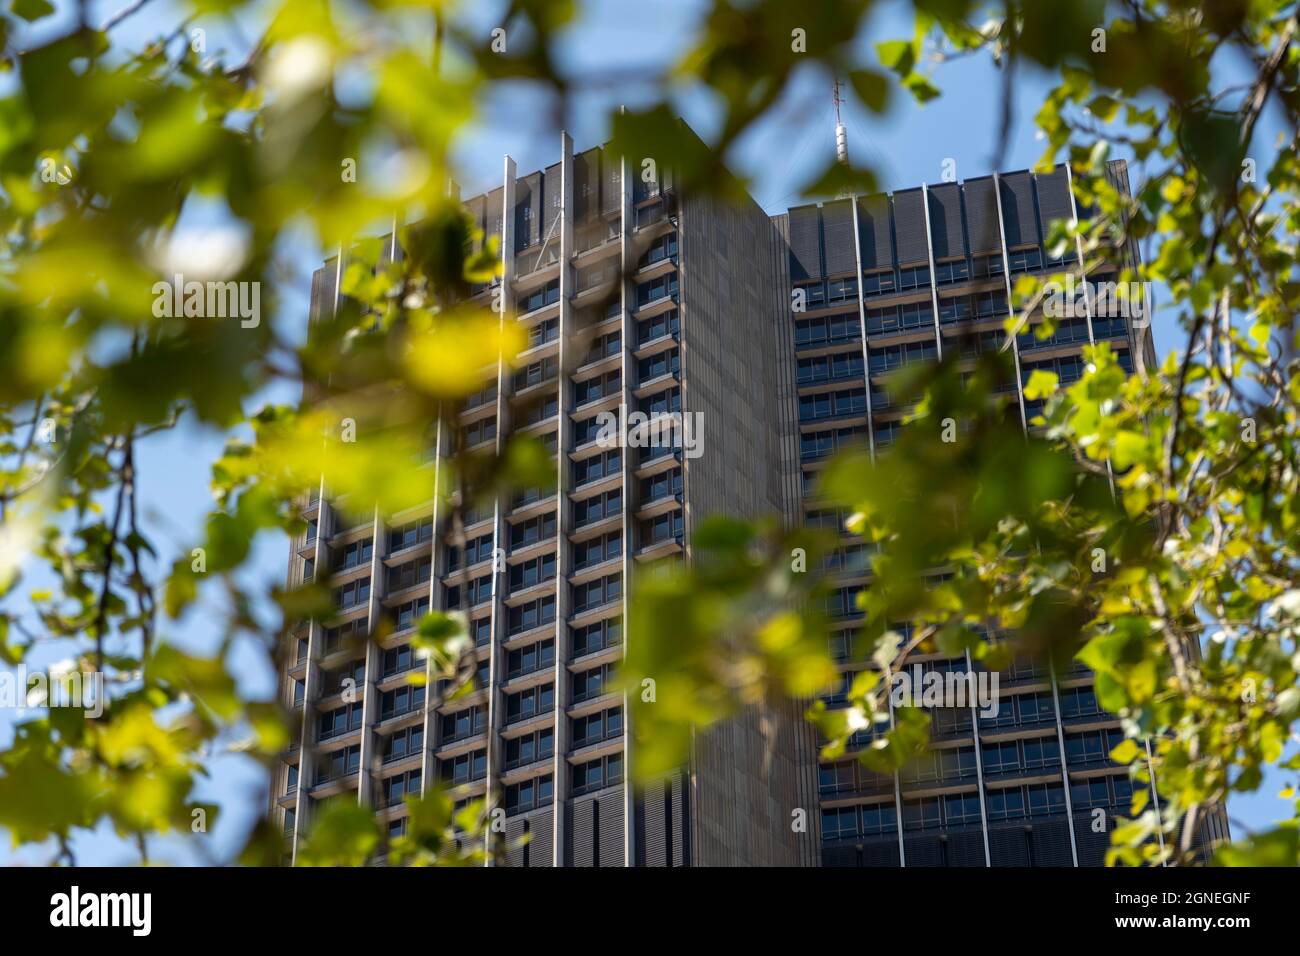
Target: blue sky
(905, 147)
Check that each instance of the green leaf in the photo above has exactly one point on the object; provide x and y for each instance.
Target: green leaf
(1041, 384)
(921, 87)
(897, 55)
(1278, 847)
(1103, 107)
(1125, 752)
(31, 10)
(872, 88)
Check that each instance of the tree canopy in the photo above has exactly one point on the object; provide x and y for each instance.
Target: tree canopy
(1147, 516)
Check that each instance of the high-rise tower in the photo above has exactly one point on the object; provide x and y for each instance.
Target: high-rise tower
(634, 295)
(911, 276)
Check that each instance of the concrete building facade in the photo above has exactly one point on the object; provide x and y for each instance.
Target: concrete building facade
(636, 295)
(633, 298)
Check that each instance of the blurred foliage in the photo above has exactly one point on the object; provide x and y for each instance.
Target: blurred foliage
(106, 152)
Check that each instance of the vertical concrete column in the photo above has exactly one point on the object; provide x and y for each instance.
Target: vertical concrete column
(862, 323)
(311, 679)
(311, 685)
(627, 369)
(370, 697)
(979, 758)
(1065, 772)
(934, 278)
(569, 357)
(1078, 251)
(435, 602)
(496, 629)
(1006, 276)
(898, 787)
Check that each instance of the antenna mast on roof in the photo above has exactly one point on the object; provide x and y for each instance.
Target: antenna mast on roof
(841, 140)
(841, 134)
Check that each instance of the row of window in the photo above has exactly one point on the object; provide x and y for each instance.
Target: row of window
(349, 677)
(342, 720)
(532, 572)
(483, 430)
(595, 388)
(400, 701)
(338, 764)
(604, 465)
(1013, 756)
(484, 396)
(666, 323)
(665, 527)
(597, 727)
(354, 555)
(586, 777)
(353, 594)
(664, 247)
(464, 768)
(597, 550)
(823, 444)
(463, 723)
(826, 330)
(912, 315)
(590, 684)
(849, 776)
(1024, 709)
(1033, 800)
(530, 532)
(529, 703)
(410, 574)
(662, 485)
(529, 795)
(598, 274)
(667, 401)
(410, 534)
(520, 751)
(596, 637)
(403, 743)
(962, 809)
(593, 594)
(656, 289)
(981, 343)
(843, 602)
(667, 362)
(399, 660)
(1092, 746)
(525, 617)
(833, 292)
(952, 763)
(535, 373)
(849, 559)
(597, 508)
(476, 550)
(829, 368)
(409, 613)
(475, 592)
(548, 294)
(398, 788)
(1100, 792)
(587, 430)
(844, 822)
(340, 636)
(891, 357)
(539, 334)
(603, 347)
(530, 659)
(479, 680)
(670, 448)
(597, 774)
